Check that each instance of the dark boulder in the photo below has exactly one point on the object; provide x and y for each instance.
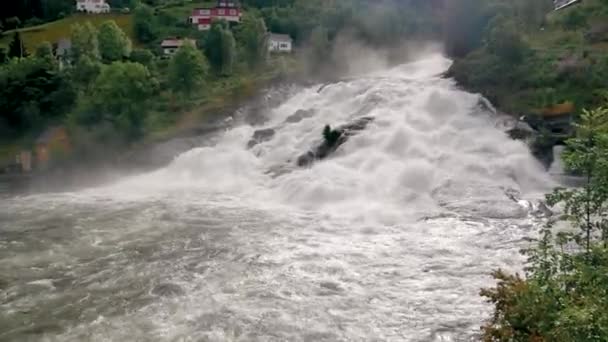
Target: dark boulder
(167, 290)
(260, 136)
(332, 140)
(300, 115)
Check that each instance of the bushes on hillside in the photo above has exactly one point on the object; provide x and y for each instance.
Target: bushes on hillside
(565, 294)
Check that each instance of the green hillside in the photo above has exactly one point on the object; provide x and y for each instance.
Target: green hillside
(52, 32)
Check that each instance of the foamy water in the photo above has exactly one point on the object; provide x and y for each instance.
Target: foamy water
(389, 239)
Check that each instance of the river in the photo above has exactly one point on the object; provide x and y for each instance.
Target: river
(388, 239)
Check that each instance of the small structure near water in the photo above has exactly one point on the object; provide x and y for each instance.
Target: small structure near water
(280, 43)
(171, 45)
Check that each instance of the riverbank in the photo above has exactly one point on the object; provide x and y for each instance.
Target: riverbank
(193, 127)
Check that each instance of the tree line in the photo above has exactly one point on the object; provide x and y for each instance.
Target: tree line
(106, 86)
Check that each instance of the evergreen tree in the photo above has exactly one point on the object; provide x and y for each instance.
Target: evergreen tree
(16, 48)
(253, 35)
(220, 48)
(121, 94)
(114, 45)
(187, 70)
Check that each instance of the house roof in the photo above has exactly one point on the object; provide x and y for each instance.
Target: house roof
(559, 4)
(280, 37)
(176, 42)
(48, 135)
(64, 46)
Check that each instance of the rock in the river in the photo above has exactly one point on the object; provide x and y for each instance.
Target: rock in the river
(167, 290)
(522, 131)
(261, 136)
(300, 115)
(327, 147)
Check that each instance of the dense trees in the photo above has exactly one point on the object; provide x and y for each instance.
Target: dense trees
(16, 48)
(144, 23)
(187, 70)
(114, 44)
(120, 95)
(32, 92)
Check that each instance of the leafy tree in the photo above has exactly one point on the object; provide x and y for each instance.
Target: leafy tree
(114, 44)
(85, 42)
(45, 51)
(565, 295)
(85, 71)
(144, 23)
(220, 48)
(31, 93)
(187, 70)
(16, 48)
(142, 56)
(121, 94)
(254, 38)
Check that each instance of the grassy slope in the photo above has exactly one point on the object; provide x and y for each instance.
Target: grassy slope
(54, 31)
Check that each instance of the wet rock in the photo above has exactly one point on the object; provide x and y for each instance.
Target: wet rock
(300, 115)
(522, 131)
(167, 290)
(331, 286)
(260, 136)
(541, 210)
(329, 146)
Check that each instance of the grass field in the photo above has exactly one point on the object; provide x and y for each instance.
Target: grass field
(52, 32)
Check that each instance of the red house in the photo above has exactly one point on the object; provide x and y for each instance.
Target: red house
(228, 10)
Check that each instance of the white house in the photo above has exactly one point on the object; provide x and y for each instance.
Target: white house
(280, 43)
(92, 6)
(171, 45)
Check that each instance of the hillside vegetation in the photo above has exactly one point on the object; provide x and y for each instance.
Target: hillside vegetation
(524, 64)
(52, 32)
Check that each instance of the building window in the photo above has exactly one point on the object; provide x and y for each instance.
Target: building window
(232, 12)
(221, 12)
(284, 46)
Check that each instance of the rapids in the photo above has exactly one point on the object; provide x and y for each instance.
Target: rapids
(388, 239)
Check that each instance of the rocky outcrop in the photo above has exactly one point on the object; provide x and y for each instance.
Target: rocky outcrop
(260, 136)
(339, 136)
(300, 115)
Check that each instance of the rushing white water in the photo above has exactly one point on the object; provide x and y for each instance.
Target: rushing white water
(388, 239)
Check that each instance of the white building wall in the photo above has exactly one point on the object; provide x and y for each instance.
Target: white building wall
(279, 46)
(92, 6)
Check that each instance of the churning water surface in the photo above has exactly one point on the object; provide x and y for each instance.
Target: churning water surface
(388, 239)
